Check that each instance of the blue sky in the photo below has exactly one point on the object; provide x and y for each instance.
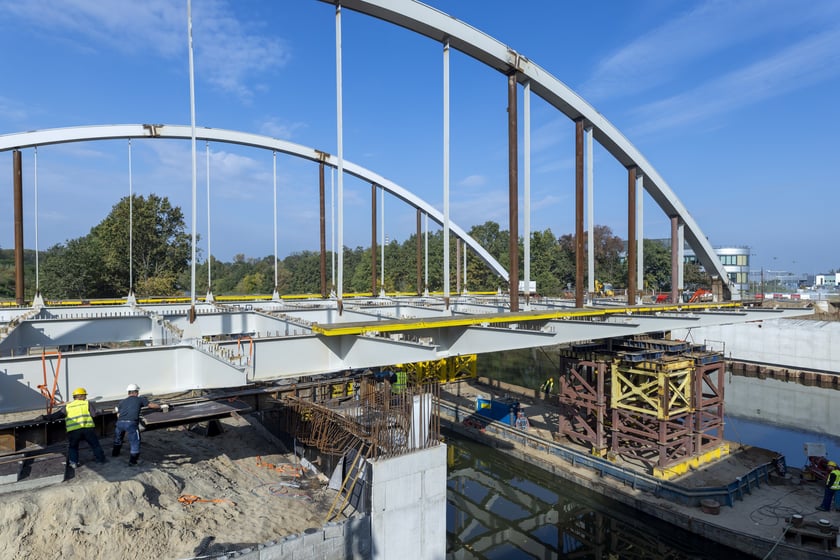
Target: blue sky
(734, 103)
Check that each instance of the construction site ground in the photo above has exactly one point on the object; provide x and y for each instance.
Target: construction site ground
(192, 495)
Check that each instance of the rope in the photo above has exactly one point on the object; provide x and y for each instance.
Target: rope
(189, 499)
(776, 543)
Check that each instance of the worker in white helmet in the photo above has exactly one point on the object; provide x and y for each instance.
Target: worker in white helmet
(128, 422)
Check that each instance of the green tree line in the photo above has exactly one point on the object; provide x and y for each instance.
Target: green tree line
(155, 261)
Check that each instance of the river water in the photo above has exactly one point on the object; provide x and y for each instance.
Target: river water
(501, 508)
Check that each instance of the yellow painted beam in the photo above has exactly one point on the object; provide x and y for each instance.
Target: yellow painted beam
(402, 325)
(692, 463)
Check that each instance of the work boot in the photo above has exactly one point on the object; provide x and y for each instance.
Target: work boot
(132, 460)
(116, 451)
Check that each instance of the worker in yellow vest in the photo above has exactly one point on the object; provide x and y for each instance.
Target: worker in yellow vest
(79, 422)
(547, 387)
(832, 485)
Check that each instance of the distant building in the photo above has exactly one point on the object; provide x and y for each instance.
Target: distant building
(828, 281)
(736, 262)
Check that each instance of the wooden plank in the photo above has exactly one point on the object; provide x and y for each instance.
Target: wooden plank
(7, 442)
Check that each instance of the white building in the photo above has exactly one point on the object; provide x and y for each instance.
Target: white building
(736, 262)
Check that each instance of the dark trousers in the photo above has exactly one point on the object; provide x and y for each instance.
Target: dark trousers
(828, 497)
(75, 437)
(130, 429)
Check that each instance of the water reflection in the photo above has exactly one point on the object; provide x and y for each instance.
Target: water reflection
(781, 416)
(501, 508)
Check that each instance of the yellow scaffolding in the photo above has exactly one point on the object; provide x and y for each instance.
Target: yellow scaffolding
(442, 371)
(656, 388)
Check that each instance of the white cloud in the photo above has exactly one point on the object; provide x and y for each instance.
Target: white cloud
(285, 131)
(12, 110)
(471, 181)
(802, 65)
(672, 51)
(229, 53)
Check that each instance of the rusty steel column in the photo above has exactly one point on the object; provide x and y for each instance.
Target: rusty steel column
(579, 254)
(17, 172)
(419, 257)
(675, 259)
(457, 265)
(631, 236)
(323, 230)
(373, 239)
(513, 193)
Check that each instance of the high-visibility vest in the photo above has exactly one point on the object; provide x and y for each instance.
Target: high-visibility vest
(399, 386)
(78, 415)
(835, 484)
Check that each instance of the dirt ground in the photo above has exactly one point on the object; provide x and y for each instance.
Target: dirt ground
(117, 511)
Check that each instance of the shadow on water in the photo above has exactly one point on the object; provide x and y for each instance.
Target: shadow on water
(501, 508)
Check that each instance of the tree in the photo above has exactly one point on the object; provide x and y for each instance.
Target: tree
(160, 246)
(551, 266)
(657, 266)
(608, 249)
(495, 241)
(73, 270)
(97, 265)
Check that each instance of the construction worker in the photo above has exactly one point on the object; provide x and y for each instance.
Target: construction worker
(128, 422)
(832, 485)
(521, 421)
(547, 387)
(79, 422)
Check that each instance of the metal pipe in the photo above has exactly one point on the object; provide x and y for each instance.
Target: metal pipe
(675, 256)
(419, 256)
(513, 193)
(631, 236)
(384, 241)
(372, 239)
(457, 265)
(323, 229)
(579, 213)
(590, 209)
(192, 135)
(640, 236)
(526, 213)
(17, 176)
(340, 142)
(445, 175)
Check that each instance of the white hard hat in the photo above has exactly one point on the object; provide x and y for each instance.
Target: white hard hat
(132, 387)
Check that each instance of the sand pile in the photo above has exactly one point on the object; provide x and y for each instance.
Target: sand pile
(117, 511)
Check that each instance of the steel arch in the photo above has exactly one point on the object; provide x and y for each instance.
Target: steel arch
(118, 131)
(442, 27)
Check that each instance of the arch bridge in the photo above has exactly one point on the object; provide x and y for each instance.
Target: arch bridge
(204, 343)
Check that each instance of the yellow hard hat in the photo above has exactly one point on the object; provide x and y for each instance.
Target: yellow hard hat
(79, 391)
(832, 464)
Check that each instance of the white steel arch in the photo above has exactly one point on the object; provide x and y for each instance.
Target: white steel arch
(444, 28)
(118, 131)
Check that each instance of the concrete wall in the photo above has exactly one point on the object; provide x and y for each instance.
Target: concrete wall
(795, 343)
(408, 506)
(345, 540)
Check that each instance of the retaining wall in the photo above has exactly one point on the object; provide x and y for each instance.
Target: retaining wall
(782, 343)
